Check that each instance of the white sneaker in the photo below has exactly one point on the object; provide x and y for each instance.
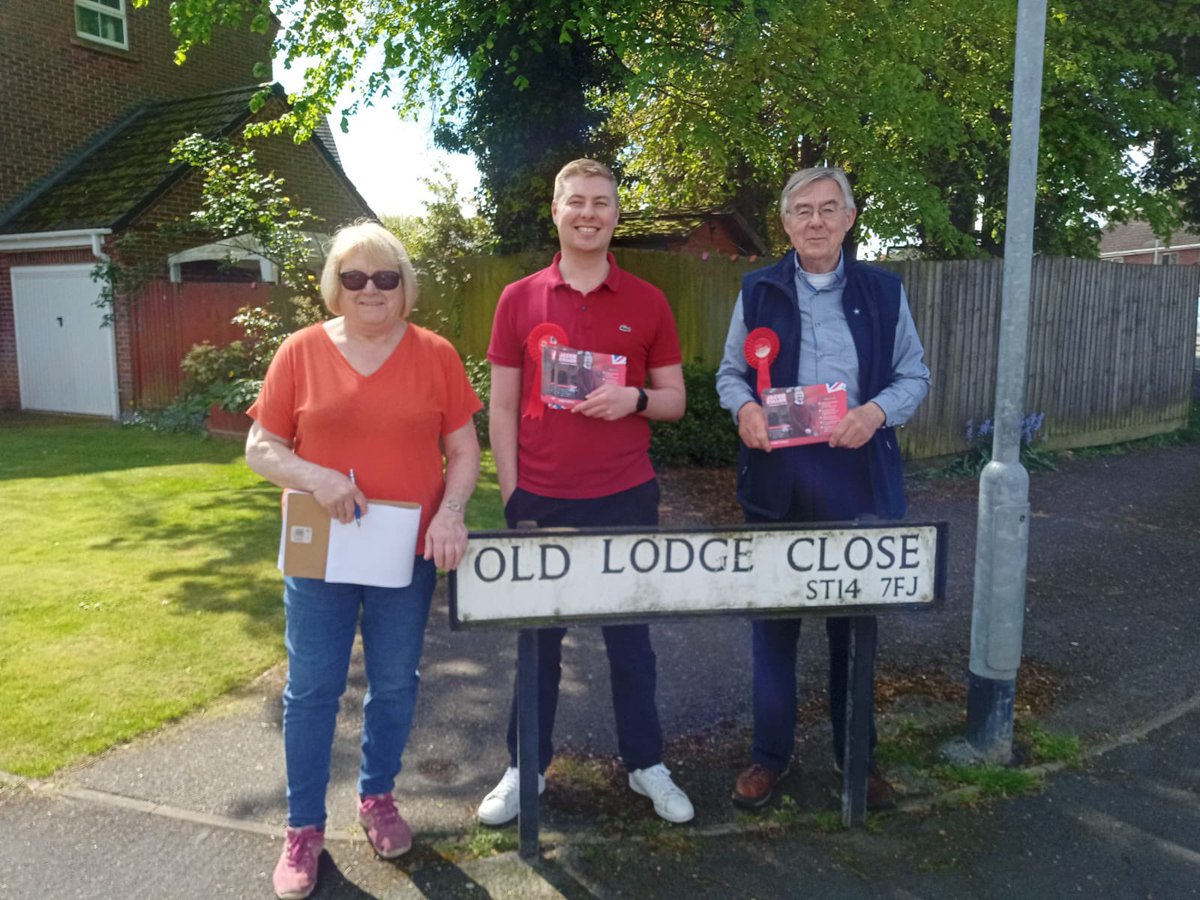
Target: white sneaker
(504, 802)
(670, 802)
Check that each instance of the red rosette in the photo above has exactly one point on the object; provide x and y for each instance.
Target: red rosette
(542, 335)
(762, 348)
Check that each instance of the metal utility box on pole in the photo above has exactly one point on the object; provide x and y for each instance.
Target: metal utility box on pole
(1002, 541)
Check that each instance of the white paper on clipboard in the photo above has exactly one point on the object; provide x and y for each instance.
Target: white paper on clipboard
(378, 550)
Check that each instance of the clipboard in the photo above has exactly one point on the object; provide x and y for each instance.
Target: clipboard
(378, 551)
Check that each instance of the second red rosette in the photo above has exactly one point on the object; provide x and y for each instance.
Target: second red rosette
(762, 349)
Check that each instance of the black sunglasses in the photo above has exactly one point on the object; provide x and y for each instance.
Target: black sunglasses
(354, 280)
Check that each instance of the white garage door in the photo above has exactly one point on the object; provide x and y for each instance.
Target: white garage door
(66, 358)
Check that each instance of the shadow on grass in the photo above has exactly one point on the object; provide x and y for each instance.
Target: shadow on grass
(218, 561)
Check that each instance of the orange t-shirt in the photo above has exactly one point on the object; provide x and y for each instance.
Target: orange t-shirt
(386, 426)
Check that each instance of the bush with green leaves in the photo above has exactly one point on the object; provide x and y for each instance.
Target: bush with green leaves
(479, 372)
(706, 435)
(231, 375)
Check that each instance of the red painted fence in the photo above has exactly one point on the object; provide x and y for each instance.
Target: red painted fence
(168, 319)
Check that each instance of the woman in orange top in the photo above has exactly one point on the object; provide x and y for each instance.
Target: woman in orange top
(366, 393)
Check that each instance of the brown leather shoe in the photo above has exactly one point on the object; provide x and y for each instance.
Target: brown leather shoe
(755, 786)
(880, 793)
(881, 796)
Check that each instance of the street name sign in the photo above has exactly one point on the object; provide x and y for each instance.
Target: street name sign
(537, 577)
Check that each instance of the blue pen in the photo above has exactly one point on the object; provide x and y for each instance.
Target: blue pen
(357, 511)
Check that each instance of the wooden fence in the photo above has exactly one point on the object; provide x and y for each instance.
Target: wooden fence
(168, 319)
(1110, 346)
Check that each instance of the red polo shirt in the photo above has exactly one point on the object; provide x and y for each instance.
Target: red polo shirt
(570, 455)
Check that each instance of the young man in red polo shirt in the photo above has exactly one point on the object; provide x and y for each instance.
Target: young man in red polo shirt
(589, 464)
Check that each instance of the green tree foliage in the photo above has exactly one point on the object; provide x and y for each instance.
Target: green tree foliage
(437, 241)
(530, 102)
(884, 89)
(915, 102)
(1121, 120)
(443, 232)
(718, 99)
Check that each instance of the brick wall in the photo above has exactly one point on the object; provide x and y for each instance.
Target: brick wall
(1186, 258)
(62, 90)
(311, 179)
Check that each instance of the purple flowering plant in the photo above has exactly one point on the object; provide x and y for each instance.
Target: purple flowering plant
(979, 446)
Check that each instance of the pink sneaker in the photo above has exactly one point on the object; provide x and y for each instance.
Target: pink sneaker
(386, 829)
(296, 873)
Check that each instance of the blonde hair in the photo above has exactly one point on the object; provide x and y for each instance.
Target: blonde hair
(382, 248)
(585, 167)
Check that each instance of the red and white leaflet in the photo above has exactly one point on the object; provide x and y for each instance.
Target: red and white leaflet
(803, 415)
(569, 375)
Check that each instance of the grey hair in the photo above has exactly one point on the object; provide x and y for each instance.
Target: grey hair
(807, 176)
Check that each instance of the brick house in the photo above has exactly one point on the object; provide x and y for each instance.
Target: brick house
(96, 103)
(1135, 243)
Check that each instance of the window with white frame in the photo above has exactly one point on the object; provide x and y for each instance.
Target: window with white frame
(102, 21)
(1168, 259)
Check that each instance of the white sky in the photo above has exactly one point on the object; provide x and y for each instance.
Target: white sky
(387, 157)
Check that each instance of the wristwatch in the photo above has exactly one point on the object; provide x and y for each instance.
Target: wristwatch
(453, 506)
(643, 401)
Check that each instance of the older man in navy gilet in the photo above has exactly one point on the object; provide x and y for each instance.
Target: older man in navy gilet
(836, 320)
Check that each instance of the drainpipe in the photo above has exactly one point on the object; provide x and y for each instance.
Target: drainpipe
(98, 247)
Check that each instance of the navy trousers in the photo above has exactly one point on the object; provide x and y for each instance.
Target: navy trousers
(632, 666)
(831, 484)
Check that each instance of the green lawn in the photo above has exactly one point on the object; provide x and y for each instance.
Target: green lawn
(138, 582)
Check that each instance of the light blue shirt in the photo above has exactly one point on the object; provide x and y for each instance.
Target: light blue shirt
(827, 352)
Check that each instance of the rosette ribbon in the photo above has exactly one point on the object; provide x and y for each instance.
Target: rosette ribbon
(542, 336)
(762, 348)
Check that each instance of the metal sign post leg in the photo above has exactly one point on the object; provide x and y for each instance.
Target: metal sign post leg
(860, 702)
(527, 741)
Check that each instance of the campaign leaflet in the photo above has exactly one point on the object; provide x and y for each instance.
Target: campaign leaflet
(803, 415)
(569, 375)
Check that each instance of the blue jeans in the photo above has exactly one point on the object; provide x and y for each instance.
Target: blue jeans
(632, 665)
(321, 622)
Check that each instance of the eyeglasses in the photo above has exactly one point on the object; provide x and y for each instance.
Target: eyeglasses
(354, 280)
(823, 212)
